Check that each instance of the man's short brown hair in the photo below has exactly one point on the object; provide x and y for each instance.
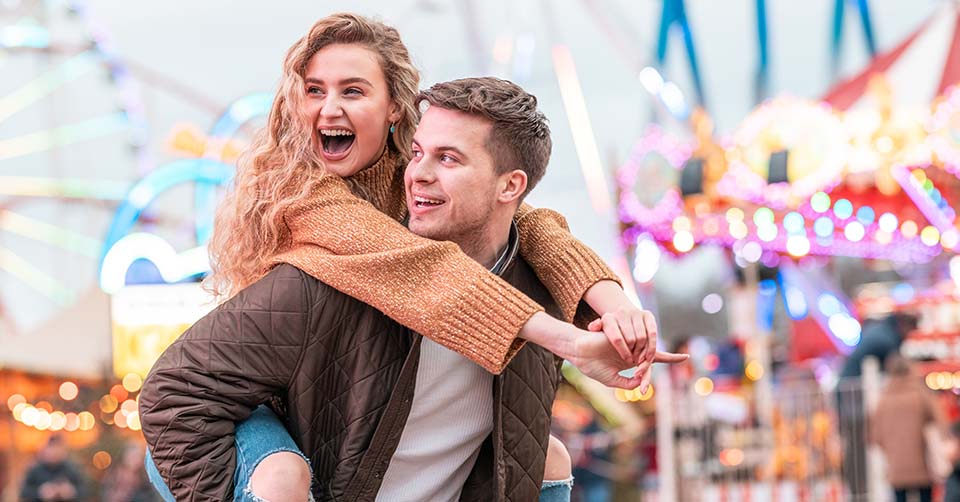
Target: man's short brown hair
(519, 135)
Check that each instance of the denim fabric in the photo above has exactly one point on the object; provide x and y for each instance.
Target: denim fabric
(556, 491)
(257, 437)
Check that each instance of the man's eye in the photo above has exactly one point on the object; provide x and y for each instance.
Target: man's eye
(447, 158)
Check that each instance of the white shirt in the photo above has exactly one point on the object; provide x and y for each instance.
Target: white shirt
(450, 417)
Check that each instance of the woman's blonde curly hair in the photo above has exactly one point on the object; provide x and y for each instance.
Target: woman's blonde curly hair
(282, 165)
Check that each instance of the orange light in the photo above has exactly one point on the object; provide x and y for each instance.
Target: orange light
(18, 411)
(72, 422)
(703, 386)
(87, 420)
(132, 382)
(129, 406)
(119, 393)
(102, 460)
(57, 421)
(108, 404)
(69, 391)
(909, 229)
(119, 419)
(14, 400)
(133, 421)
(731, 457)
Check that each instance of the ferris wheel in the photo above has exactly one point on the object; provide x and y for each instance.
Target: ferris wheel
(73, 136)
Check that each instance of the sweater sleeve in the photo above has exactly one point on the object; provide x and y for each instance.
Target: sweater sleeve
(566, 266)
(429, 286)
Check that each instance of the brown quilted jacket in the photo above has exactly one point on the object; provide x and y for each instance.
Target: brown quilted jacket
(342, 375)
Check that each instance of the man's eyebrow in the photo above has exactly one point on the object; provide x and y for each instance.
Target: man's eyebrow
(452, 149)
(443, 149)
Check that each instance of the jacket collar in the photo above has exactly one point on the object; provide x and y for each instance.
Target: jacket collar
(509, 253)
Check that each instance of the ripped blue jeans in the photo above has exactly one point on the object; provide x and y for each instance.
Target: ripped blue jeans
(262, 434)
(259, 436)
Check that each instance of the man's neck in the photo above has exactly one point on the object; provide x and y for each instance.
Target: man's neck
(489, 244)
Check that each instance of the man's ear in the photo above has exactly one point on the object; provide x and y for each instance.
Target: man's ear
(512, 186)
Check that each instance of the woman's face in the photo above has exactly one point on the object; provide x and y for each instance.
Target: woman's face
(349, 104)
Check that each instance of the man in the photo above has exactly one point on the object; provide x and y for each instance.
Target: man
(380, 412)
(53, 478)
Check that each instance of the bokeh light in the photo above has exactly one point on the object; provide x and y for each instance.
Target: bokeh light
(712, 303)
(820, 202)
(843, 209)
(132, 382)
(703, 386)
(69, 391)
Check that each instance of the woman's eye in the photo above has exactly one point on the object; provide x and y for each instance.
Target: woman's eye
(314, 90)
(353, 91)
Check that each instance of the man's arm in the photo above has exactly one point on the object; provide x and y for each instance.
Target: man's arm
(214, 375)
(591, 352)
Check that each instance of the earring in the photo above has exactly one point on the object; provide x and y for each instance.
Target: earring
(393, 128)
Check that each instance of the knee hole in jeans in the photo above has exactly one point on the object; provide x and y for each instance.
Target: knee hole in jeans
(281, 476)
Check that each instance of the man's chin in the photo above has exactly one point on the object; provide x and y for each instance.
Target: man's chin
(425, 229)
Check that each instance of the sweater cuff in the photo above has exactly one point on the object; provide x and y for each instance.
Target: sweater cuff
(486, 325)
(582, 269)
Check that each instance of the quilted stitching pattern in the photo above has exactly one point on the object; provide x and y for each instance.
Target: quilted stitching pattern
(230, 361)
(331, 363)
(330, 360)
(530, 383)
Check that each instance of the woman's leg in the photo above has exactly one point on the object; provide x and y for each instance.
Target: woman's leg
(270, 467)
(557, 476)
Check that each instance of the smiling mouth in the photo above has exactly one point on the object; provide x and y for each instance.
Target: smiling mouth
(336, 141)
(426, 202)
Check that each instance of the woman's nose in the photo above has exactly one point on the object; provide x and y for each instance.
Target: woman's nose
(331, 107)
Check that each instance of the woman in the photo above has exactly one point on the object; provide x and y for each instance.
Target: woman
(335, 131)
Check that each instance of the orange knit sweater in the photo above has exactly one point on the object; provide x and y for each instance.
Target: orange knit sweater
(432, 287)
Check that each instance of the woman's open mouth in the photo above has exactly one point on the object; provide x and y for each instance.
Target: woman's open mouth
(336, 142)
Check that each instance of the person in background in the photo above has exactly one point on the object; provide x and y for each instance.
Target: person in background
(53, 478)
(951, 492)
(906, 407)
(879, 338)
(127, 481)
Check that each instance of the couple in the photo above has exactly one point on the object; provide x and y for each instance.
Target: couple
(360, 360)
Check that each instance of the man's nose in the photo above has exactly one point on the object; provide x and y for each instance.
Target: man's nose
(425, 171)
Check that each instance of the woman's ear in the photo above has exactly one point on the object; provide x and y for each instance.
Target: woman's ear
(395, 112)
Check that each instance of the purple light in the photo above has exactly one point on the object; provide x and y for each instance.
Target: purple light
(941, 218)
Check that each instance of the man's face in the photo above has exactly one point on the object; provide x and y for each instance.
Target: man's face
(451, 182)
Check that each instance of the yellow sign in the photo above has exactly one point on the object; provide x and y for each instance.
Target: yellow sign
(146, 319)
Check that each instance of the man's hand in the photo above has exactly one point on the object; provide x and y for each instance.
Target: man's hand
(622, 328)
(591, 352)
(633, 331)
